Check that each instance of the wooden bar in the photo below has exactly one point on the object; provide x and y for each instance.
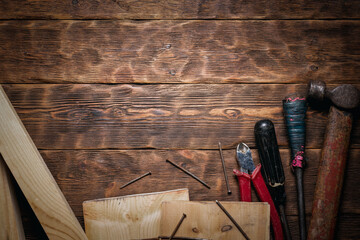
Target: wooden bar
(173, 9)
(34, 178)
(179, 51)
(129, 217)
(206, 220)
(11, 226)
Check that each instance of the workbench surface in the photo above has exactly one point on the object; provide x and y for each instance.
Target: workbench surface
(109, 90)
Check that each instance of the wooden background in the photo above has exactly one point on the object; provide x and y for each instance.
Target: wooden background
(110, 89)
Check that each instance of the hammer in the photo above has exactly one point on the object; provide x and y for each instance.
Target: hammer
(329, 183)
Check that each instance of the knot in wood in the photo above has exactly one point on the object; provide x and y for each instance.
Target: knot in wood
(195, 230)
(226, 228)
(232, 113)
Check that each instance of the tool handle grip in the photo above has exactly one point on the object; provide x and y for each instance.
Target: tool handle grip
(294, 113)
(269, 152)
(264, 196)
(244, 185)
(331, 174)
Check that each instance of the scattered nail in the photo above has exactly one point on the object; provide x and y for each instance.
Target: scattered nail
(189, 173)
(224, 168)
(177, 226)
(136, 179)
(232, 219)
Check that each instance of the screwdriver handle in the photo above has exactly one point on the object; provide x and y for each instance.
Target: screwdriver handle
(294, 112)
(272, 169)
(269, 154)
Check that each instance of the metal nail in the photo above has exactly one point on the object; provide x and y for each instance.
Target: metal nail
(177, 226)
(189, 173)
(223, 164)
(136, 179)
(232, 219)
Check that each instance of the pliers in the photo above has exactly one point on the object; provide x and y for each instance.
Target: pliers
(248, 172)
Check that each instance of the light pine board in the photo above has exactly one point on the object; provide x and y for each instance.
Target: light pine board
(10, 219)
(206, 220)
(127, 217)
(34, 178)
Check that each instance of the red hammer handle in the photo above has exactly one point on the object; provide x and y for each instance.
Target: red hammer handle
(330, 177)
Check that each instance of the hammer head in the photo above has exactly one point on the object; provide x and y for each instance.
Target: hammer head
(345, 96)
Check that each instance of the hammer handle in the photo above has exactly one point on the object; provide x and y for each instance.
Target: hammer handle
(330, 176)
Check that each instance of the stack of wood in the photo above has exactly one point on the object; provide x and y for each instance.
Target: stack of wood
(150, 215)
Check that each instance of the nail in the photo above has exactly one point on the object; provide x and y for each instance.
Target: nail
(232, 219)
(136, 179)
(223, 164)
(177, 226)
(189, 173)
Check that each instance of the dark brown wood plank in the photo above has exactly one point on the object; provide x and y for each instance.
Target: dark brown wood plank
(191, 116)
(84, 175)
(347, 227)
(179, 51)
(187, 9)
(90, 174)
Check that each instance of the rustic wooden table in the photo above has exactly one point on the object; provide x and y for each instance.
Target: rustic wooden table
(110, 89)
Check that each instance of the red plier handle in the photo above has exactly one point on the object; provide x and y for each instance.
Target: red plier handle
(244, 185)
(265, 196)
(263, 193)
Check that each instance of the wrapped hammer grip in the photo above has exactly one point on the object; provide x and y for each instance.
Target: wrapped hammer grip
(294, 112)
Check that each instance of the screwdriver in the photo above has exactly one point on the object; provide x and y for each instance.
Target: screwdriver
(272, 170)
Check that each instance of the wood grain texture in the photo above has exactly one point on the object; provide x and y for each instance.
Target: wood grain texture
(179, 51)
(11, 227)
(173, 9)
(157, 116)
(207, 220)
(128, 217)
(92, 174)
(33, 176)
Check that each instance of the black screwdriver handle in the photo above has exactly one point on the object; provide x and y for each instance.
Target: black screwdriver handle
(269, 152)
(272, 169)
(294, 113)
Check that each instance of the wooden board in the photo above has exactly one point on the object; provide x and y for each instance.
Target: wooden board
(174, 9)
(179, 51)
(34, 178)
(193, 116)
(127, 217)
(207, 220)
(10, 219)
(255, 48)
(104, 171)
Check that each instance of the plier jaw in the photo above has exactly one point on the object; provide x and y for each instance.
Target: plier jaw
(244, 158)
